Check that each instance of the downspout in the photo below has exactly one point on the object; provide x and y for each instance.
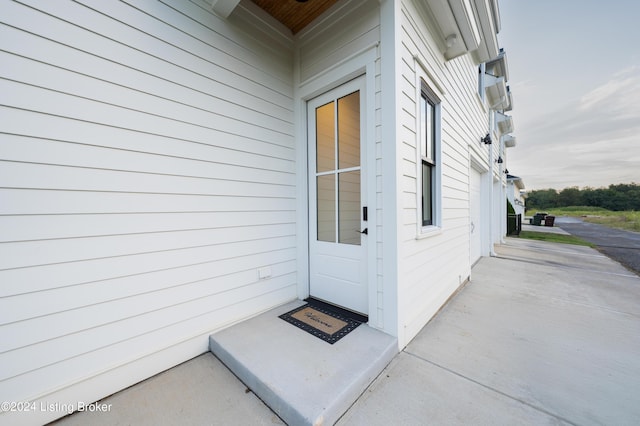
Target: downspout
(503, 195)
(492, 253)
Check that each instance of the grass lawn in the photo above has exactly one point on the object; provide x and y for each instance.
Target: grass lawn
(628, 220)
(554, 238)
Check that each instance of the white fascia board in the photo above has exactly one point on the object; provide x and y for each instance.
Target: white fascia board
(495, 13)
(504, 122)
(509, 107)
(224, 7)
(460, 31)
(467, 24)
(498, 66)
(449, 37)
(488, 48)
(509, 141)
(496, 89)
(517, 182)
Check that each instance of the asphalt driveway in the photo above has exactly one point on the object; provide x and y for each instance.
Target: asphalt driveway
(622, 246)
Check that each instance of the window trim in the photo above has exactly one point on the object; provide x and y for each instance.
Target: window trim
(425, 91)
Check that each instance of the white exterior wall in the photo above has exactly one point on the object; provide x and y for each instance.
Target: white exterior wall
(153, 158)
(515, 197)
(432, 266)
(147, 170)
(346, 30)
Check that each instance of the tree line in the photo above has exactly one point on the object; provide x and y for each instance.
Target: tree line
(619, 197)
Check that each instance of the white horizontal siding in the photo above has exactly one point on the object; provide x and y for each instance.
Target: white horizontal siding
(70, 371)
(346, 29)
(80, 295)
(147, 169)
(35, 201)
(93, 271)
(432, 268)
(31, 227)
(82, 178)
(45, 252)
(204, 144)
(110, 40)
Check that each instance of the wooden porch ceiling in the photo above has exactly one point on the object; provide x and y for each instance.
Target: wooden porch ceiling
(294, 14)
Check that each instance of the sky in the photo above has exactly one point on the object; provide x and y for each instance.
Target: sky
(574, 71)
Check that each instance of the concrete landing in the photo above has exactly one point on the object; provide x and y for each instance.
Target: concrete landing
(303, 379)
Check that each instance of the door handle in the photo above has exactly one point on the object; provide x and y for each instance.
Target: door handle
(365, 231)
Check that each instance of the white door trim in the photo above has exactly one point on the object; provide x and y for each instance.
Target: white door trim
(338, 259)
(363, 64)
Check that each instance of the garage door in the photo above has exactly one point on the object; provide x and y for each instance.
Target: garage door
(475, 207)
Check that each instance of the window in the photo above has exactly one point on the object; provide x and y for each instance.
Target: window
(429, 143)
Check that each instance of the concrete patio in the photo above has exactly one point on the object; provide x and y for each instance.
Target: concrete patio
(543, 334)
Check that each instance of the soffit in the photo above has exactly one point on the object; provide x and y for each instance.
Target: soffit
(293, 14)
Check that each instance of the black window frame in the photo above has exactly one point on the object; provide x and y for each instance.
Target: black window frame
(429, 144)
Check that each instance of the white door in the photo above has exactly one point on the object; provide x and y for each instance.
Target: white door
(337, 207)
(475, 213)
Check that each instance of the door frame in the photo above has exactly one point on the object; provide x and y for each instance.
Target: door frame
(353, 257)
(475, 212)
(482, 208)
(360, 65)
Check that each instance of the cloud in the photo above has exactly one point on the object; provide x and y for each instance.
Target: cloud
(619, 97)
(611, 110)
(593, 140)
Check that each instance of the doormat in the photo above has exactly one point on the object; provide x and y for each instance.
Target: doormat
(324, 321)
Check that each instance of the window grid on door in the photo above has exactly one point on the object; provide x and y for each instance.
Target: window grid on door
(338, 170)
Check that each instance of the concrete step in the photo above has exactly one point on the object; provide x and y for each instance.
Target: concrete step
(303, 379)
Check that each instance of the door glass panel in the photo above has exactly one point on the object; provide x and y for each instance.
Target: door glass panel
(349, 131)
(325, 138)
(326, 207)
(338, 190)
(349, 207)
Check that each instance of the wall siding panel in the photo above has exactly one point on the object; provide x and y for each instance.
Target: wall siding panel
(434, 267)
(347, 28)
(94, 271)
(147, 169)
